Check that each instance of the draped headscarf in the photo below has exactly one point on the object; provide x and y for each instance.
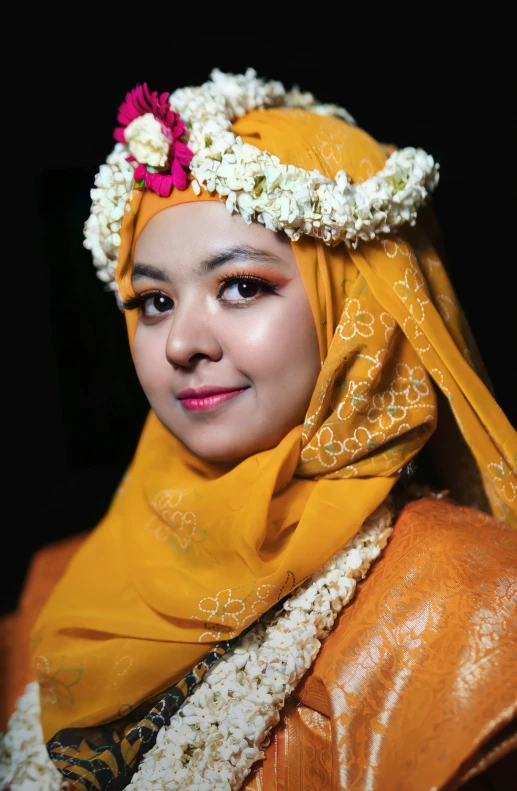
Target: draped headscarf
(190, 555)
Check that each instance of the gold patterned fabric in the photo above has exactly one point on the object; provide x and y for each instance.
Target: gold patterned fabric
(416, 687)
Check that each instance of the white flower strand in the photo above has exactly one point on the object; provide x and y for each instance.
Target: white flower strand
(283, 197)
(218, 734)
(110, 201)
(255, 183)
(24, 762)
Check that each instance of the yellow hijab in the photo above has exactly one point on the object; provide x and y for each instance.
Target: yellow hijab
(189, 555)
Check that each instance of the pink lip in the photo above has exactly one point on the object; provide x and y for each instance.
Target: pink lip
(207, 397)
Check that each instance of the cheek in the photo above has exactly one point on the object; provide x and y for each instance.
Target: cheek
(282, 345)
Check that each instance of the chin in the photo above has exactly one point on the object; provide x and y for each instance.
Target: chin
(227, 450)
(228, 453)
(222, 445)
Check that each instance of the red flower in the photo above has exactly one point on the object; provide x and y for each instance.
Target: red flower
(140, 102)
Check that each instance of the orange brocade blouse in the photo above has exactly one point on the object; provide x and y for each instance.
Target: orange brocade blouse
(415, 689)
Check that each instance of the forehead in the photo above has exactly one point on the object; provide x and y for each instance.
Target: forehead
(192, 231)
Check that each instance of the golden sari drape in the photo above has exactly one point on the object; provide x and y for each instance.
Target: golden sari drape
(416, 687)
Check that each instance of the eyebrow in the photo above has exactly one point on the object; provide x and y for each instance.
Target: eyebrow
(241, 253)
(153, 272)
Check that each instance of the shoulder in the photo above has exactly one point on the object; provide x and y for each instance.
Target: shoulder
(45, 569)
(428, 645)
(447, 580)
(454, 546)
(446, 583)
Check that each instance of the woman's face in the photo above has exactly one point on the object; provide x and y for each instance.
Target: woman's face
(225, 349)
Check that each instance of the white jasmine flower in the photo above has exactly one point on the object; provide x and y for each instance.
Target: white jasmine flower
(305, 599)
(260, 695)
(202, 717)
(281, 639)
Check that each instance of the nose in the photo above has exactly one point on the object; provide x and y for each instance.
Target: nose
(191, 338)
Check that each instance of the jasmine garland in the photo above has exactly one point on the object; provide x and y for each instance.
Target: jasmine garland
(254, 183)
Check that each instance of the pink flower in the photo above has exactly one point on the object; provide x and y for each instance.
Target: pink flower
(158, 142)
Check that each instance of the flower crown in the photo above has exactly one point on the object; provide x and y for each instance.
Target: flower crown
(164, 138)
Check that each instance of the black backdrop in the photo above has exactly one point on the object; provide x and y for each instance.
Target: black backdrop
(75, 408)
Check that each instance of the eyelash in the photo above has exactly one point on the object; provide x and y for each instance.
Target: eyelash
(138, 301)
(232, 279)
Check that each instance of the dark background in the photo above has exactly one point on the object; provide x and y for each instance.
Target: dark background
(74, 407)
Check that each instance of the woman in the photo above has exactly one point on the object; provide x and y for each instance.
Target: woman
(295, 366)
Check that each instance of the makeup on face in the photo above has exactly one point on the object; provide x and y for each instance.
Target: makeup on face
(205, 398)
(246, 281)
(225, 345)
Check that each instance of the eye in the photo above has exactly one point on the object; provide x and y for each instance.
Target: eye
(241, 289)
(156, 304)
